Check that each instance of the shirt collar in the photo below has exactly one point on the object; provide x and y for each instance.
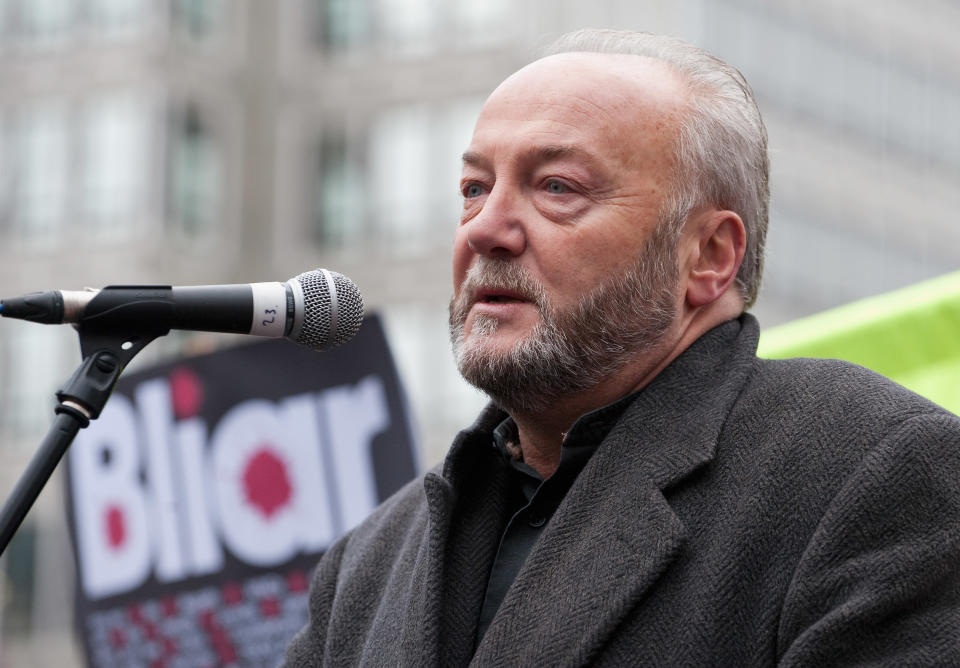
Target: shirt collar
(587, 432)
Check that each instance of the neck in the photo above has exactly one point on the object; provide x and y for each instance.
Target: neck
(542, 432)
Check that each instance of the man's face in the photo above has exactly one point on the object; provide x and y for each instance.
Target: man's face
(560, 276)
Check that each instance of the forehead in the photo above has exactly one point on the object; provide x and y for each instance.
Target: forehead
(628, 107)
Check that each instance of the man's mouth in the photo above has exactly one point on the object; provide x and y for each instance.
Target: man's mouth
(498, 297)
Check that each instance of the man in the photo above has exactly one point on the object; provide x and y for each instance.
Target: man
(642, 489)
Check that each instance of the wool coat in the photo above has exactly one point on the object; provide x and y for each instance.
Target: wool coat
(742, 512)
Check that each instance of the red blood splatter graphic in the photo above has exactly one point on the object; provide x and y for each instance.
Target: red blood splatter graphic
(135, 614)
(150, 630)
(169, 646)
(265, 481)
(297, 581)
(227, 654)
(220, 641)
(219, 638)
(168, 606)
(211, 626)
(207, 620)
(186, 393)
(232, 593)
(269, 607)
(117, 638)
(116, 527)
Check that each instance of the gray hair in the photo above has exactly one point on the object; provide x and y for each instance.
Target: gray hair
(721, 155)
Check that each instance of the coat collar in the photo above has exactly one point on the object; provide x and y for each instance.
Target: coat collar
(615, 533)
(673, 426)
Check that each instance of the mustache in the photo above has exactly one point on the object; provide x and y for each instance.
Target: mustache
(487, 274)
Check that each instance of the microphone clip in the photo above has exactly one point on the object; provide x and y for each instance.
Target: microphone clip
(105, 356)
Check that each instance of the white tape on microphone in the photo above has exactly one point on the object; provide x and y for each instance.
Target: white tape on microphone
(269, 309)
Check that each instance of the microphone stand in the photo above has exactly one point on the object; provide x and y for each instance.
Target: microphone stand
(81, 399)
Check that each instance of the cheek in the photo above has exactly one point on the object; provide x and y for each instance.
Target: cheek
(580, 255)
(462, 256)
(586, 260)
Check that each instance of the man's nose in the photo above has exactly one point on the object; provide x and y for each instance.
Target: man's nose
(498, 229)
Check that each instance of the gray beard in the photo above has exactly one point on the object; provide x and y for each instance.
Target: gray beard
(568, 351)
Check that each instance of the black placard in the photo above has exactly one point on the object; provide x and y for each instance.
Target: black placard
(208, 489)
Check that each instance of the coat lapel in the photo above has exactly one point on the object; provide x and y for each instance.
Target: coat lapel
(465, 506)
(417, 642)
(615, 533)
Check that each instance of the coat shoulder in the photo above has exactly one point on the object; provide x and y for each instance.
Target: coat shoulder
(835, 393)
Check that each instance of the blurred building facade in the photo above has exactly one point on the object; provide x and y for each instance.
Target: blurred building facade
(214, 141)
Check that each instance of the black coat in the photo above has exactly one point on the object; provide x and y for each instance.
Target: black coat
(743, 512)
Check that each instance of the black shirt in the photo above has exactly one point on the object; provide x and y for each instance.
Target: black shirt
(534, 500)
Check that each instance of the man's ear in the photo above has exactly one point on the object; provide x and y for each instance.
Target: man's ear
(721, 241)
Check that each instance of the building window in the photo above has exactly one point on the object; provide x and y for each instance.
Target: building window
(411, 28)
(56, 24)
(41, 172)
(343, 25)
(194, 174)
(415, 166)
(400, 152)
(115, 169)
(483, 24)
(197, 19)
(341, 201)
(841, 83)
(393, 186)
(120, 19)
(69, 172)
(40, 359)
(46, 23)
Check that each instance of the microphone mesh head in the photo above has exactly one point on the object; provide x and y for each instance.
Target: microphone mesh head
(332, 314)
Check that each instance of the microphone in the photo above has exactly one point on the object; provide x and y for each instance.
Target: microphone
(318, 309)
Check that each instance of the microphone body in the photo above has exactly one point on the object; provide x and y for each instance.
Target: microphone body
(319, 309)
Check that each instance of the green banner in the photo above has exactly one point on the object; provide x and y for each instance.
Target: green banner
(911, 336)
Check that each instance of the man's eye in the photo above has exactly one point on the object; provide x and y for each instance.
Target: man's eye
(557, 188)
(472, 190)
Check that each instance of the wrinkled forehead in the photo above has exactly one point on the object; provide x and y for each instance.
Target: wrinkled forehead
(630, 103)
(604, 83)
